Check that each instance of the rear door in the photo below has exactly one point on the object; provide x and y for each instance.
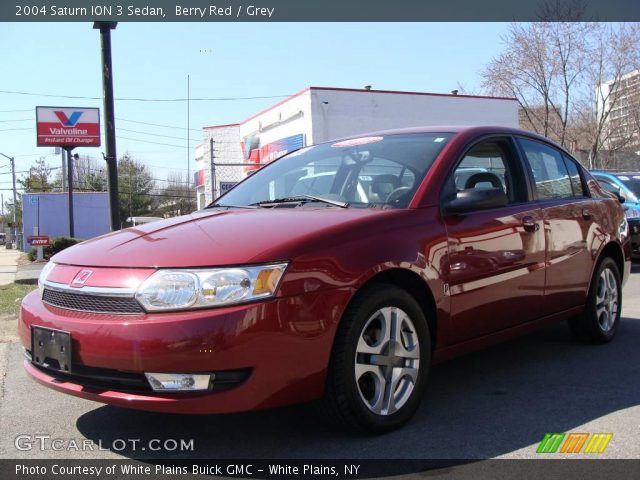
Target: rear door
(568, 218)
(496, 257)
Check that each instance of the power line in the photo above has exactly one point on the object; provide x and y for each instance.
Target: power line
(158, 125)
(12, 111)
(149, 141)
(12, 129)
(17, 120)
(134, 99)
(154, 134)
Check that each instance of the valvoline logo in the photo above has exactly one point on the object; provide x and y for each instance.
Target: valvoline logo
(68, 121)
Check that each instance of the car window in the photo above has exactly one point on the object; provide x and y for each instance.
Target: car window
(608, 186)
(379, 171)
(577, 185)
(488, 164)
(550, 173)
(381, 177)
(632, 183)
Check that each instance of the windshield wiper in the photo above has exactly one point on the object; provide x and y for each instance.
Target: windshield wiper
(302, 199)
(221, 205)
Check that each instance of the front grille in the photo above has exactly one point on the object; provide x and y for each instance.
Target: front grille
(91, 303)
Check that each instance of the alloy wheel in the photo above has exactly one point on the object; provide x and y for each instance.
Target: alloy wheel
(387, 360)
(607, 300)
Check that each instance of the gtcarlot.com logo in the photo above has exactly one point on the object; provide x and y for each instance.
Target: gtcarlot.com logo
(47, 442)
(573, 442)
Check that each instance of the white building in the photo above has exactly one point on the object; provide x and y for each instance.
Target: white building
(318, 114)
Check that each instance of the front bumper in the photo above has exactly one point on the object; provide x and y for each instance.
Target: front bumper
(282, 346)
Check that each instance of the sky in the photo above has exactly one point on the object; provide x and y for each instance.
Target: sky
(222, 60)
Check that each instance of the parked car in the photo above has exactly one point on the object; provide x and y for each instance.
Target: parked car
(625, 186)
(346, 295)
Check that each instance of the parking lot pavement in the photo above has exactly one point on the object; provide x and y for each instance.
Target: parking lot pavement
(496, 403)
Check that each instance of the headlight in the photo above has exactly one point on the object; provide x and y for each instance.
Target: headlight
(44, 274)
(632, 213)
(201, 288)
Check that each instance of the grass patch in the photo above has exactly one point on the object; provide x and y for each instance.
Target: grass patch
(11, 295)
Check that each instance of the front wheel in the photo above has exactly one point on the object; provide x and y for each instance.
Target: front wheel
(599, 321)
(380, 361)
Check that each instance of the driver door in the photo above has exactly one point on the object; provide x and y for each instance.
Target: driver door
(496, 256)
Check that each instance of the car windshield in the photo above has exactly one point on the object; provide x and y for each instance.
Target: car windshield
(632, 182)
(382, 171)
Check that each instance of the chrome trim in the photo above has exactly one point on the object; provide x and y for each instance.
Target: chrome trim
(26, 354)
(98, 291)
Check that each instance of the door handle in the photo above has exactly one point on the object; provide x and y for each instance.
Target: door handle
(586, 214)
(530, 225)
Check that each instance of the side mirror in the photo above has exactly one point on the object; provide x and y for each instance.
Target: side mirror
(472, 199)
(621, 198)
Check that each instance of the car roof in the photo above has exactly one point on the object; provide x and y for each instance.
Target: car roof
(616, 174)
(473, 129)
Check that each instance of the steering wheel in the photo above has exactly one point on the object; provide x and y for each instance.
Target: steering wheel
(395, 195)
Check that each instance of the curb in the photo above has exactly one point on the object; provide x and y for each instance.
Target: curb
(28, 274)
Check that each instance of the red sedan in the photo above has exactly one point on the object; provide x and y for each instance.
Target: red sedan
(338, 273)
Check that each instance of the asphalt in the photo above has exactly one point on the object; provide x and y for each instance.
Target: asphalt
(497, 403)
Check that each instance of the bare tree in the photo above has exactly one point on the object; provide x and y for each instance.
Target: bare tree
(541, 67)
(177, 197)
(614, 54)
(562, 11)
(555, 70)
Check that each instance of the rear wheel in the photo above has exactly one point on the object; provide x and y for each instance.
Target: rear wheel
(599, 321)
(380, 361)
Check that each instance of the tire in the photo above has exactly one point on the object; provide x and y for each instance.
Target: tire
(389, 385)
(599, 321)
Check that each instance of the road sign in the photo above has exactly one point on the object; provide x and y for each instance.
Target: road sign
(68, 127)
(226, 186)
(38, 240)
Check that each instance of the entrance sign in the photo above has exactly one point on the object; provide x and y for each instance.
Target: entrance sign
(38, 240)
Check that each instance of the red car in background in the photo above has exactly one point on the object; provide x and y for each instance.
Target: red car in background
(338, 273)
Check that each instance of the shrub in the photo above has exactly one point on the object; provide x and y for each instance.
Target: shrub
(57, 245)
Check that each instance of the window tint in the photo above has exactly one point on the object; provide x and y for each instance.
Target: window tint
(608, 187)
(577, 186)
(549, 171)
(486, 165)
(382, 177)
(382, 171)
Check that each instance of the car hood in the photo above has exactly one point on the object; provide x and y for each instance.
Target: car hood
(216, 237)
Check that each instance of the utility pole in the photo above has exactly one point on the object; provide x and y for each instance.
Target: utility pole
(109, 121)
(70, 194)
(212, 156)
(64, 170)
(188, 132)
(15, 205)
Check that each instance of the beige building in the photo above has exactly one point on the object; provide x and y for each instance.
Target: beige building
(622, 100)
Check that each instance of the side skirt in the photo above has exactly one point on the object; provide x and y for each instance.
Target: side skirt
(452, 351)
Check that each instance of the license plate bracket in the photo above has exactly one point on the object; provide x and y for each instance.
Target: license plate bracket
(51, 349)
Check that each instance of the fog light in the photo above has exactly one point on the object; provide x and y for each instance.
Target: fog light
(179, 382)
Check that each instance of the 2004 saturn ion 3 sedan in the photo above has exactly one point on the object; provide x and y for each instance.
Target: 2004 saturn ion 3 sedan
(339, 272)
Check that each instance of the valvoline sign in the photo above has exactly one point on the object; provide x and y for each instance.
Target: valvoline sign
(68, 127)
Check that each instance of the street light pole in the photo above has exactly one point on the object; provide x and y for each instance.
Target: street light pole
(15, 205)
(109, 120)
(72, 230)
